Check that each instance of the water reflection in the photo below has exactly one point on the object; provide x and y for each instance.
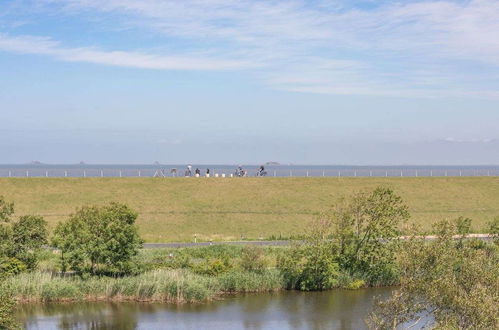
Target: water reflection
(338, 309)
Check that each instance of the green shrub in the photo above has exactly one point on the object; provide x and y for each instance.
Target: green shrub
(320, 270)
(493, 229)
(291, 267)
(7, 305)
(11, 266)
(356, 284)
(453, 281)
(213, 267)
(253, 259)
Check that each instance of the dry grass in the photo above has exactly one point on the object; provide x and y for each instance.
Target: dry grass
(174, 209)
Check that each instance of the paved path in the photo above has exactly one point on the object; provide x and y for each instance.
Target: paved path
(279, 243)
(181, 245)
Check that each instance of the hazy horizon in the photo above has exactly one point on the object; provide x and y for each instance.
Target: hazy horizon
(227, 82)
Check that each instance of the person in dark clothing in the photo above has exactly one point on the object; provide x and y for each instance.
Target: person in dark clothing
(261, 171)
(198, 172)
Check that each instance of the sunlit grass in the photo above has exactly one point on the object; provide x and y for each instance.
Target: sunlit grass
(176, 209)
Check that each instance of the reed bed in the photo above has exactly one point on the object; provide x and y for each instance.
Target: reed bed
(173, 286)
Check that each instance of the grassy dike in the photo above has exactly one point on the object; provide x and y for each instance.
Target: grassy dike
(176, 209)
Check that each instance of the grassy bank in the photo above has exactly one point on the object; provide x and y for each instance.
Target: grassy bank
(167, 275)
(165, 285)
(175, 209)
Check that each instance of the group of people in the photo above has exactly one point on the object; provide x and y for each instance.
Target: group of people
(240, 172)
(188, 171)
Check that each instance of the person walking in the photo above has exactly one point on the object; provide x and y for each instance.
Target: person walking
(188, 171)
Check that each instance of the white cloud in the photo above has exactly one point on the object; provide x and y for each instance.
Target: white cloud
(47, 46)
(416, 48)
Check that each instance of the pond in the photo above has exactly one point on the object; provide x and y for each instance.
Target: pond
(337, 309)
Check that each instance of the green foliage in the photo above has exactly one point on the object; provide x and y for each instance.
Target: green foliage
(359, 238)
(7, 305)
(356, 284)
(159, 285)
(213, 266)
(5, 240)
(309, 269)
(291, 266)
(11, 266)
(320, 270)
(29, 234)
(6, 210)
(494, 229)
(20, 241)
(366, 229)
(216, 251)
(312, 265)
(253, 259)
(99, 239)
(455, 281)
(244, 281)
(463, 226)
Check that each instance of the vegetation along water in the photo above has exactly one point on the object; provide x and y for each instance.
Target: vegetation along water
(450, 283)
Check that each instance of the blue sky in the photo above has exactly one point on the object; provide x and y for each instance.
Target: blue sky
(212, 81)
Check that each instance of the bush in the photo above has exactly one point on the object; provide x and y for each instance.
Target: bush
(7, 305)
(253, 259)
(291, 267)
(494, 229)
(213, 267)
(6, 210)
(356, 284)
(320, 270)
(20, 241)
(99, 240)
(11, 266)
(456, 282)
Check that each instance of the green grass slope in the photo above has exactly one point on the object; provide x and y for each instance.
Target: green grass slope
(175, 209)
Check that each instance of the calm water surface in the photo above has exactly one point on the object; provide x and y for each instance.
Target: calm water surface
(338, 309)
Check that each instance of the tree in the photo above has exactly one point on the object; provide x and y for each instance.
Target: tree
(445, 284)
(359, 238)
(99, 239)
(312, 265)
(367, 229)
(20, 241)
(29, 234)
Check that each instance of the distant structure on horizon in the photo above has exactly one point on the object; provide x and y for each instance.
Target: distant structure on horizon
(35, 162)
(272, 163)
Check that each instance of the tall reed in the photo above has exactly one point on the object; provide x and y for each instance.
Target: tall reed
(176, 286)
